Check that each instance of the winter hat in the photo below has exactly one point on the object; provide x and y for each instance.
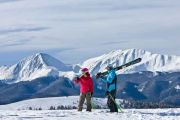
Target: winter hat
(84, 70)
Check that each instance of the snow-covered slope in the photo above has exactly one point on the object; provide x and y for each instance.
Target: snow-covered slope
(32, 67)
(19, 110)
(150, 62)
(129, 114)
(44, 103)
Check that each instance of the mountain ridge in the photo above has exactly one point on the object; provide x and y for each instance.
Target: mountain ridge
(150, 61)
(42, 64)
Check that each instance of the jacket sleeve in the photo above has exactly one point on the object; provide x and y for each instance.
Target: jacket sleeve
(104, 79)
(109, 78)
(77, 80)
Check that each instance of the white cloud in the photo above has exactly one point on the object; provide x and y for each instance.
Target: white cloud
(86, 25)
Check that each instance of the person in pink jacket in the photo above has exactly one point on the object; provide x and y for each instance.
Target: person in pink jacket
(86, 89)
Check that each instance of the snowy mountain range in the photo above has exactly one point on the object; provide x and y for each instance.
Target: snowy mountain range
(41, 65)
(155, 79)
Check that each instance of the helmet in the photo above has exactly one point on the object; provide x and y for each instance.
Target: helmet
(84, 70)
(109, 67)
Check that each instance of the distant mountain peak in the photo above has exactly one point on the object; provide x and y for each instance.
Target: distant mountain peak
(42, 55)
(29, 68)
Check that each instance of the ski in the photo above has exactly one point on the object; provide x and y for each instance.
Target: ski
(98, 75)
(118, 105)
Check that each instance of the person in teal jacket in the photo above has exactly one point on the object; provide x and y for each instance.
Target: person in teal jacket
(111, 79)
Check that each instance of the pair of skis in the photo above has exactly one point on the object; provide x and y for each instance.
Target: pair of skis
(100, 74)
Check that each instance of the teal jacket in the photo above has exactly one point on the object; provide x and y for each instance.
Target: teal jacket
(109, 79)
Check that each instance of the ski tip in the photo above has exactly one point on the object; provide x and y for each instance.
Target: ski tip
(120, 111)
(139, 59)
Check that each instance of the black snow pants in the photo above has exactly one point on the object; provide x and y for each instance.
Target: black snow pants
(111, 101)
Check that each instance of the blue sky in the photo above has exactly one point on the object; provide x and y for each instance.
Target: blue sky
(73, 31)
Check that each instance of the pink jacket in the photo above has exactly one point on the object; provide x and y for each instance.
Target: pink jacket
(86, 83)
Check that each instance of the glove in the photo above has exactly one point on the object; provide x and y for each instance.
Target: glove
(107, 93)
(77, 78)
(91, 93)
(99, 75)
